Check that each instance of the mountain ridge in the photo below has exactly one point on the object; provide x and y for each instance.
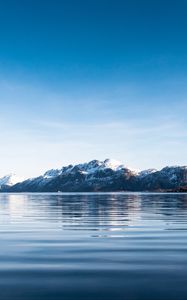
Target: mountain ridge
(104, 176)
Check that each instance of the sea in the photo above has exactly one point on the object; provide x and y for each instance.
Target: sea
(93, 246)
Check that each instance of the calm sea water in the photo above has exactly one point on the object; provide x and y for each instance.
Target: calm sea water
(93, 246)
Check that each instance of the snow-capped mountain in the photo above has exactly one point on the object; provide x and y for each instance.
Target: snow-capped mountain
(107, 175)
(10, 180)
(168, 178)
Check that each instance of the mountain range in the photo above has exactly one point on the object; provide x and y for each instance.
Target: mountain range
(104, 176)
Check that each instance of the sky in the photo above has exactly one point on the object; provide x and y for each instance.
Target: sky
(92, 79)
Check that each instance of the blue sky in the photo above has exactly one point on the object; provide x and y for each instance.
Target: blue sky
(81, 80)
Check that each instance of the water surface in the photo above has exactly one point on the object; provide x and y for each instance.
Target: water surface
(93, 246)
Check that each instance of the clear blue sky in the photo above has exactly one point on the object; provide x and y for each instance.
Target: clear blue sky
(86, 79)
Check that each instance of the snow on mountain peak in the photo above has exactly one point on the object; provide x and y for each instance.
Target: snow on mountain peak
(10, 179)
(86, 168)
(96, 165)
(112, 164)
(147, 172)
(51, 173)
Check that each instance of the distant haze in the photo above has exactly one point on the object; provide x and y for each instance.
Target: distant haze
(83, 80)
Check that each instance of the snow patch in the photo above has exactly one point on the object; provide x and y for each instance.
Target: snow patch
(146, 172)
(10, 180)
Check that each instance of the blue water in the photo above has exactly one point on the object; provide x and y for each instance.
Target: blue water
(93, 246)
